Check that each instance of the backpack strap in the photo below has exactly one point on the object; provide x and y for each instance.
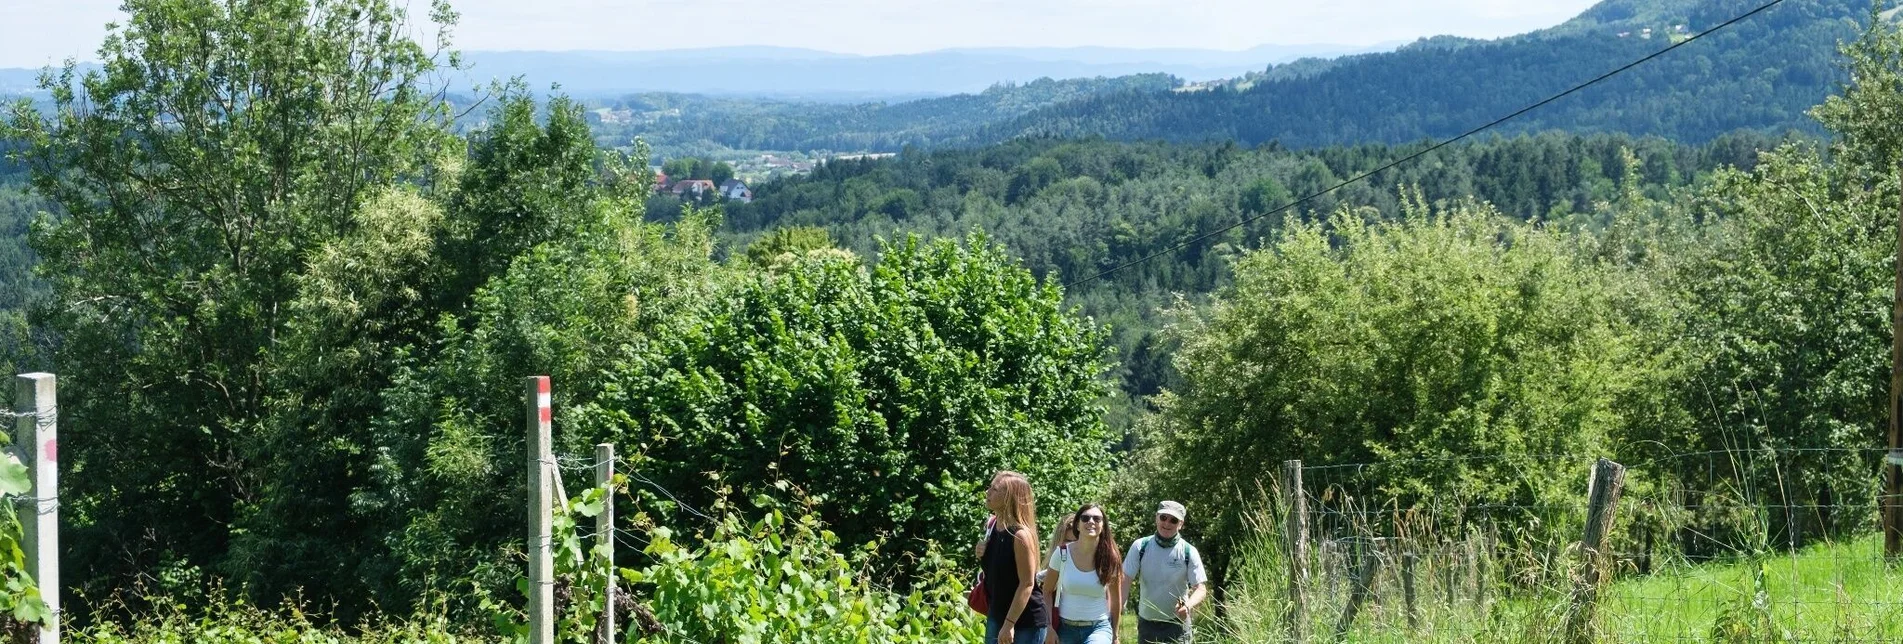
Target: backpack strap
(1142, 545)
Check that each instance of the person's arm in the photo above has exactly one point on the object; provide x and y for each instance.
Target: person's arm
(979, 550)
(1198, 585)
(1025, 553)
(1117, 590)
(1197, 594)
(1129, 570)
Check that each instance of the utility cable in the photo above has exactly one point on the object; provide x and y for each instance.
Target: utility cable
(1432, 148)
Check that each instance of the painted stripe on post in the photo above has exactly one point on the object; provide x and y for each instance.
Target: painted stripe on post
(543, 398)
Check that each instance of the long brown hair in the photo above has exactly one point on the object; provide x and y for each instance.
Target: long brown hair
(1021, 506)
(1109, 561)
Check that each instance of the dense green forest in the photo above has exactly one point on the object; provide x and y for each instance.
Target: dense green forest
(18, 287)
(1761, 75)
(1071, 210)
(678, 123)
(291, 357)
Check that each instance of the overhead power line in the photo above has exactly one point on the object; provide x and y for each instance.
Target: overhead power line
(1432, 148)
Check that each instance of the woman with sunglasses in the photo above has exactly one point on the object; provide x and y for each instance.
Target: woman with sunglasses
(1085, 576)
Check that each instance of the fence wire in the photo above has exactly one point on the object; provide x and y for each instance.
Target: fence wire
(1718, 546)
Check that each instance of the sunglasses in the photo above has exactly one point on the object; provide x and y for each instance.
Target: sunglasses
(1090, 518)
(1168, 519)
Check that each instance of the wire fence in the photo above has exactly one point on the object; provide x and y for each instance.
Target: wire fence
(1719, 546)
(634, 623)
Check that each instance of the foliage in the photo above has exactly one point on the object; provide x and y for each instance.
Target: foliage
(783, 580)
(836, 378)
(788, 243)
(774, 580)
(1826, 592)
(191, 176)
(1074, 209)
(693, 168)
(1760, 74)
(678, 122)
(1785, 312)
(1475, 343)
(227, 621)
(20, 603)
(1786, 302)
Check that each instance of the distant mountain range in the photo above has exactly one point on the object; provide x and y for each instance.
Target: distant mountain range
(805, 74)
(1761, 74)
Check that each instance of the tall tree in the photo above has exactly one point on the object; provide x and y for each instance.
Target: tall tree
(220, 143)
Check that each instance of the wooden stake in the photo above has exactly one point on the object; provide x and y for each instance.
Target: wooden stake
(1602, 503)
(1363, 585)
(1893, 463)
(1408, 563)
(1295, 534)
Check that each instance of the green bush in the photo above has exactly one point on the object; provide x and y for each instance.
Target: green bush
(169, 621)
(1473, 343)
(889, 393)
(784, 581)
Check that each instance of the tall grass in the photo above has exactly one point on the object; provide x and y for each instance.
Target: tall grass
(1482, 586)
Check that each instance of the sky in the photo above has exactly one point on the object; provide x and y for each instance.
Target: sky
(40, 32)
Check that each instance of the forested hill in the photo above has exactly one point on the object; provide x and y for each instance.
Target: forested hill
(1071, 209)
(672, 122)
(1762, 73)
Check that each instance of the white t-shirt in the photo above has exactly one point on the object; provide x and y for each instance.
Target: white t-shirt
(1162, 575)
(1079, 597)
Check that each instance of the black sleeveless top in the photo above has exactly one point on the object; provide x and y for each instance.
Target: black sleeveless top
(1001, 582)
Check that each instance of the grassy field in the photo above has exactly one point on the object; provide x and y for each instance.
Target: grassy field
(1832, 593)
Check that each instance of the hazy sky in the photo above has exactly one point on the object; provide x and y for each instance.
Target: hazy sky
(38, 32)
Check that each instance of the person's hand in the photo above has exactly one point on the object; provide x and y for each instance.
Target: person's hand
(1182, 611)
(1050, 636)
(1006, 633)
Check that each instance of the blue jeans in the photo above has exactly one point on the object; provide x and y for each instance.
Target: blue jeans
(1097, 632)
(1022, 636)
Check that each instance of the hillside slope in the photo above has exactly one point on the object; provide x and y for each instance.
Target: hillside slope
(1760, 74)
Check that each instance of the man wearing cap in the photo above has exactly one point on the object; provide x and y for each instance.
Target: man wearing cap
(1169, 573)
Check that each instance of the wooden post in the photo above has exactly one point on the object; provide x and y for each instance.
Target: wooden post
(1479, 570)
(1295, 533)
(1602, 502)
(1408, 563)
(605, 536)
(541, 459)
(1449, 566)
(1363, 585)
(35, 431)
(1893, 463)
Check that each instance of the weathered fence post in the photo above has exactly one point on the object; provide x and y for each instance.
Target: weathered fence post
(1295, 533)
(1363, 585)
(1449, 570)
(1408, 562)
(1602, 500)
(541, 459)
(1893, 463)
(36, 433)
(605, 536)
